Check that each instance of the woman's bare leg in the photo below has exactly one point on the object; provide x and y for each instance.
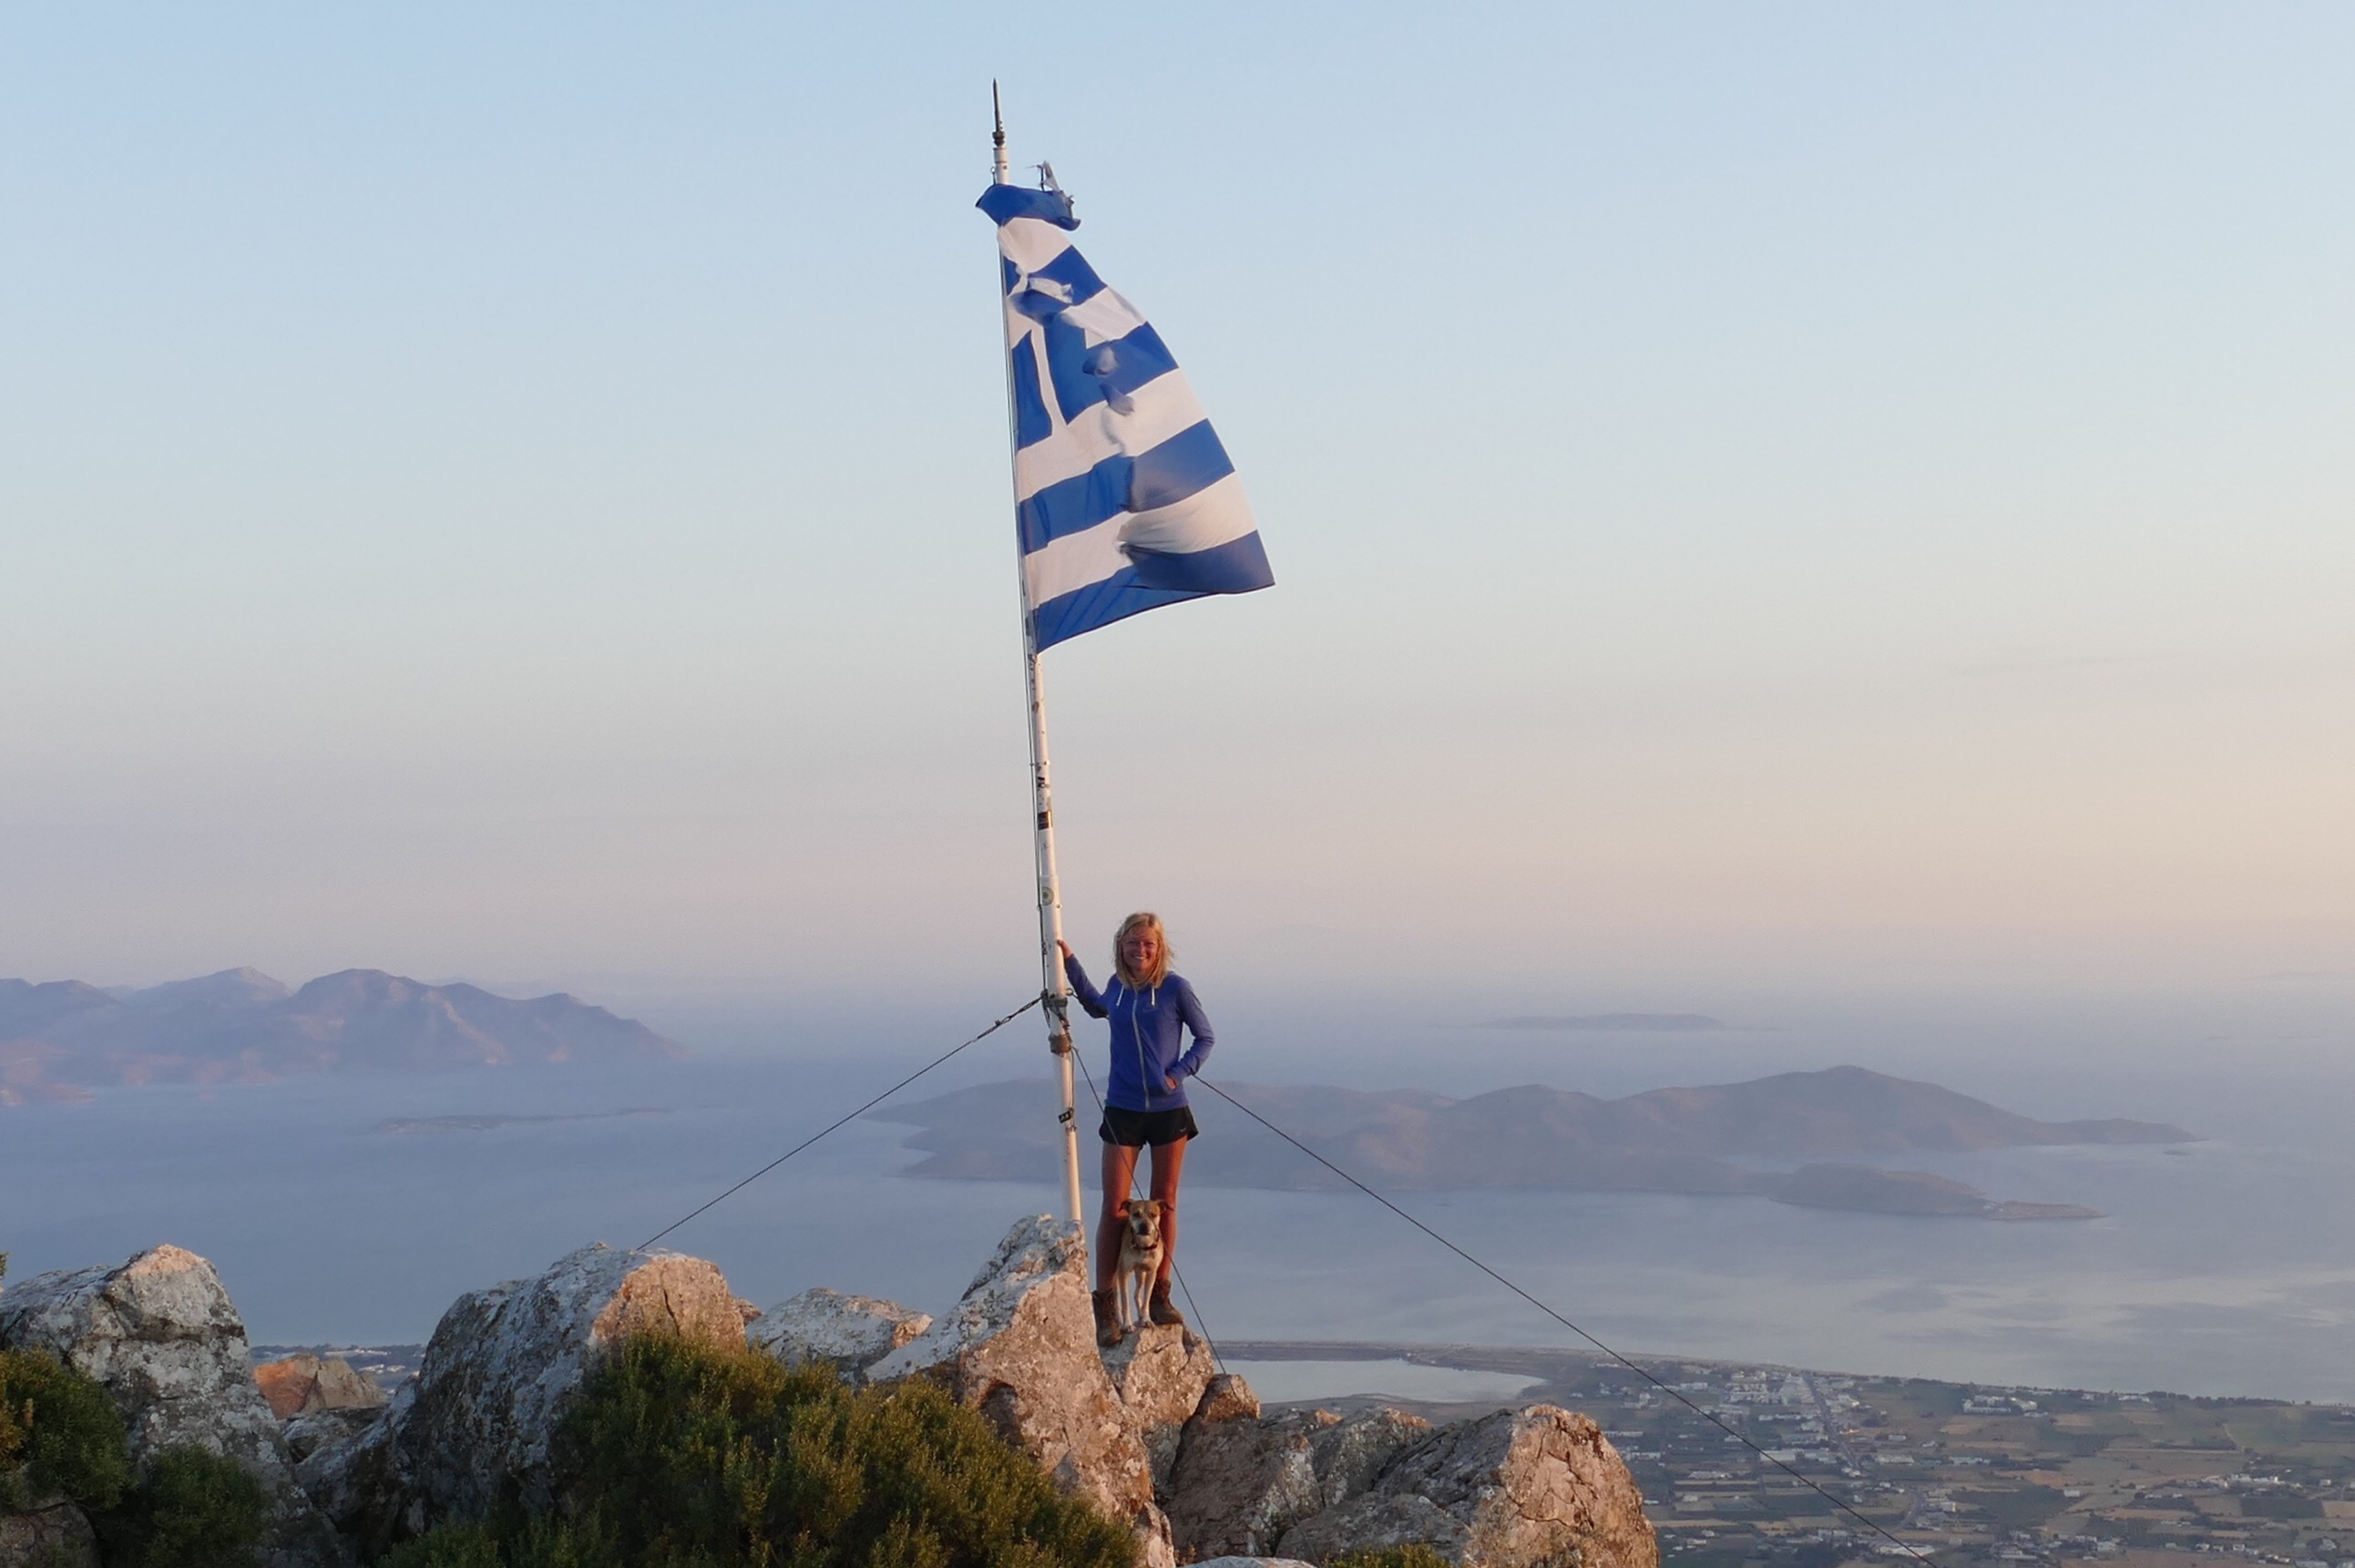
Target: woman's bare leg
(1119, 1171)
(1169, 1160)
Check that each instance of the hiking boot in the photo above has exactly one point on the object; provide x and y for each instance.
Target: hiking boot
(1107, 1318)
(1161, 1312)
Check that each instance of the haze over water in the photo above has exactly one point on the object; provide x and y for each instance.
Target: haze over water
(2229, 1269)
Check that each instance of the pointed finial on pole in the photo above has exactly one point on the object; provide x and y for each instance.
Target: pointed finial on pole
(998, 137)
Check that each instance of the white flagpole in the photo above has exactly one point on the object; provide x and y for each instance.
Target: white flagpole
(1042, 806)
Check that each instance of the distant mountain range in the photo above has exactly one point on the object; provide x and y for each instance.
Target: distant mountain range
(240, 1026)
(1665, 1140)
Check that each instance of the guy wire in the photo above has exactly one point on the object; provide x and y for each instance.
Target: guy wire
(847, 1117)
(1908, 1548)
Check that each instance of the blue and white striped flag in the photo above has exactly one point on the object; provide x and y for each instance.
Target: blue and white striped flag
(1125, 499)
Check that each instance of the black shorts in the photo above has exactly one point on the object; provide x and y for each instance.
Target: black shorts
(1135, 1130)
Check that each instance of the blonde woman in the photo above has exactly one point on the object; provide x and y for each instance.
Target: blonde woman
(1145, 1095)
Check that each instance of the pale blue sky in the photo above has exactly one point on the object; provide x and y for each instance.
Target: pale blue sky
(1812, 492)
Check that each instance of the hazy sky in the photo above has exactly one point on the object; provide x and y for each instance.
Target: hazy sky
(1829, 492)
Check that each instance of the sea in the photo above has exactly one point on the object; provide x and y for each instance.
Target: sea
(354, 1209)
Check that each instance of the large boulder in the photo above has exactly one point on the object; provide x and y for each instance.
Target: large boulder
(1242, 1483)
(161, 1337)
(1159, 1375)
(1348, 1455)
(1515, 1489)
(473, 1428)
(1239, 1484)
(302, 1384)
(848, 1333)
(1020, 1348)
(47, 1533)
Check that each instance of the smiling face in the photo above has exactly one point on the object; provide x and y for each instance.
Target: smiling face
(1140, 949)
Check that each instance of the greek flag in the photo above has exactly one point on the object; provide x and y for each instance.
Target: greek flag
(1126, 500)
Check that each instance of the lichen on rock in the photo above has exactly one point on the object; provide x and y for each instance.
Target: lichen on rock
(1351, 1453)
(848, 1333)
(160, 1334)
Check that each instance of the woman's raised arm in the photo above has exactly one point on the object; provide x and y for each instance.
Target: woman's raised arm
(1090, 1000)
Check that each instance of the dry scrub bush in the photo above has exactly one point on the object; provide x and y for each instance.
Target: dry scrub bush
(680, 1457)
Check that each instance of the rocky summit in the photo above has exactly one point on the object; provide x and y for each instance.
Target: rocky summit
(1150, 1432)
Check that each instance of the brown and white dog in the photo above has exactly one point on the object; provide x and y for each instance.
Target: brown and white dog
(1140, 1263)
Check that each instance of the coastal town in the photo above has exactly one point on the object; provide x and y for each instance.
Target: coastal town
(1745, 1475)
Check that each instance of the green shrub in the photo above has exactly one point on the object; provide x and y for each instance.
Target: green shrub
(62, 1430)
(1390, 1557)
(679, 1456)
(453, 1546)
(191, 1508)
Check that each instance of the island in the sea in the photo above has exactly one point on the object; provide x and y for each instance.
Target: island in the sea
(59, 1039)
(1817, 1138)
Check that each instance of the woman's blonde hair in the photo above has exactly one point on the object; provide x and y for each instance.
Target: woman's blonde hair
(1143, 919)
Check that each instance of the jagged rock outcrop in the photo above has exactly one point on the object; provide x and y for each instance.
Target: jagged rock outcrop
(302, 1384)
(1227, 1398)
(1537, 1487)
(161, 1337)
(848, 1333)
(1349, 1453)
(475, 1423)
(1020, 1347)
(1239, 1484)
(1515, 1489)
(1159, 1375)
(49, 1533)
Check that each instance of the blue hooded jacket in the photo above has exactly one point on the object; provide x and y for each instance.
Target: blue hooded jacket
(1145, 1038)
